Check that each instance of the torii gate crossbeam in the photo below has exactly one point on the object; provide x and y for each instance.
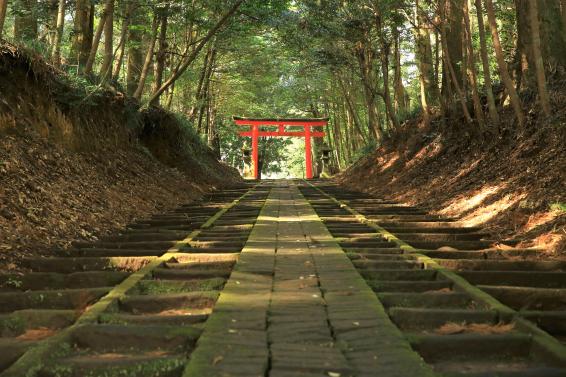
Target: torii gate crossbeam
(255, 133)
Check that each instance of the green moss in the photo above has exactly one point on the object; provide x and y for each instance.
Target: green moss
(153, 368)
(12, 325)
(154, 287)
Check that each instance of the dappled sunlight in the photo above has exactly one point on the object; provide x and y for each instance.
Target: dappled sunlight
(540, 219)
(472, 200)
(485, 213)
(428, 151)
(391, 161)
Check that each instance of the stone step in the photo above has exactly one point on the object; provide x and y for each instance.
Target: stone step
(114, 364)
(11, 350)
(407, 275)
(540, 279)
(36, 281)
(479, 347)
(70, 265)
(528, 298)
(410, 286)
(552, 321)
(145, 245)
(504, 265)
(388, 265)
(412, 319)
(18, 322)
(431, 300)
(189, 274)
(76, 299)
(116, 338)
(153, 304)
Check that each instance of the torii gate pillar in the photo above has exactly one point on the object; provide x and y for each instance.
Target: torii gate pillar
(307, 133)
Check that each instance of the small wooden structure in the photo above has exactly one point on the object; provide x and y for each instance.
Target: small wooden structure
(284, 128)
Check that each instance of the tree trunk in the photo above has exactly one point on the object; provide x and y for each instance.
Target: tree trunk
(148, 58)
(452, 72)
(56, 55)
(198, 95)
(503, 70)
(429, 89)
(108, 6)
(453, 37)
(135, 55)
(352, 110)
(25, 22)
(399, 90)
(537, 57)
(552, 40)
(365, 63)
(385, 52)
(493, 114)
(3, 9)
(123, 40)
(189, 59)
(205, 98)
(471, 66)
(161, 53)
(106, 69)
(83, 33)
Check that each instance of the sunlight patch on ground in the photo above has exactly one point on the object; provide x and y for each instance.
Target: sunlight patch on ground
(485, 213)
(428, 151)
(468, 202)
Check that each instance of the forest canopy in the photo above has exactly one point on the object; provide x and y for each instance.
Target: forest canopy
(369, 65)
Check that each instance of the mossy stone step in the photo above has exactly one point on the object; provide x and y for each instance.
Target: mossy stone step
(164, 302)
(115, 338)
(11, 350)
(18, 322)
(117, 365)
(388, 265)
(528, 298)
(64, 299)
(57, 281)
(398, 274)
(409, 286)
(411, 319)
(445, 300)
(159, 286)
(190, 274)
(503, 265)
(535, 279)
(156, 319)
(69, 265)
(144, 245)
(480, 347)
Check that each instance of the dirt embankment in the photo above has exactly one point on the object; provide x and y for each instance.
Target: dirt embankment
(514, 184)
(78, 164)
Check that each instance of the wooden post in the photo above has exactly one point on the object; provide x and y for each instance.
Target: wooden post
(255, 149)
(308, 151)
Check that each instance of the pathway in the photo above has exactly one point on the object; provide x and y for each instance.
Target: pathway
(296, 306)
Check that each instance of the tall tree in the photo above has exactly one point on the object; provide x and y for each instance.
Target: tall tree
(3, 10)
(192, 56)
(135, 54)
(56, 53)
(493, 114)
(537, 57)
(25, 21)
(503, 70)
(161, 56)
(82, 33)
(148, 58)
(106, 68)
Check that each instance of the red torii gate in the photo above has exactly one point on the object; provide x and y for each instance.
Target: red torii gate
(255, 133)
